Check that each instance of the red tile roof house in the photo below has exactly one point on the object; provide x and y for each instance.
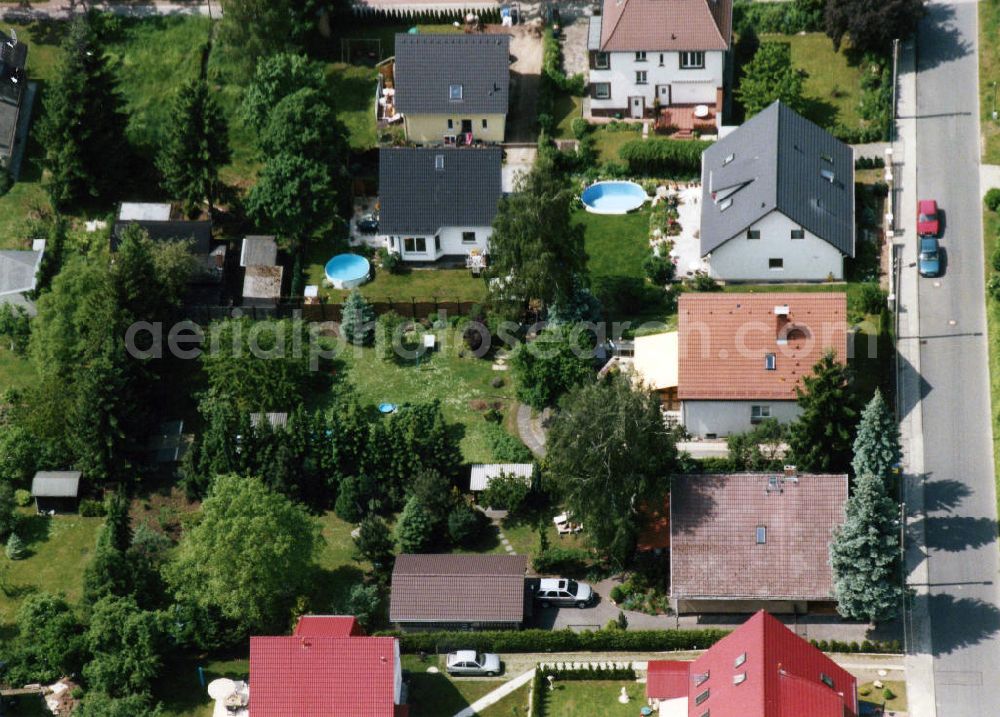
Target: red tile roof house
(654, 58)
(458, 592)
(761, 669)
(748, 541)
(327, 668)
(741, 356)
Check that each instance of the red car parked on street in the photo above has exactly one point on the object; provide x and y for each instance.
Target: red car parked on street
(928, 224)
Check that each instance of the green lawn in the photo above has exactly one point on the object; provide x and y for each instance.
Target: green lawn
(832, 87)
(513, 705)
(989, 73)
(437, 694)
(593, 699)
(608, 141)
(462, 384)
(616, 244)
(868, 693)
(566, 108)
(353, 86)
(15, 372)
(182, 694)
(991, 233)
(59, 549)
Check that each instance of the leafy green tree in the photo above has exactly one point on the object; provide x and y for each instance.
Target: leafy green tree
(18, 453)
(196, 145)
(865, 555)
(374, 543)
(465, 525)
(415, 530)
(296, 196)
(276, 77)
(215, 451)
(609, 454)
(249, 556)
(580, 305)
(436, 493)
(357, 322)
(304, 123)
(365, 603)
(820, 438)
(250, 31)
(8, 511)
(872, 26)
(811, 13)
(536, 250)
(388, 335)
(48, 644)
(83, 123)
(770, 77)
(125, 644)
(876, 447)
(758, 449)
(15, 326)
(100, 704)
(545, 369)
(506, 492)
(52, 259)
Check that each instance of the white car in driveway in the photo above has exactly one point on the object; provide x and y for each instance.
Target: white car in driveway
(470, 662)
(560, 591)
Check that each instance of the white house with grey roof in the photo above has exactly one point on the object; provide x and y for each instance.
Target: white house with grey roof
(19, 275)
(778, 201)
(452, 89)
(437, 204)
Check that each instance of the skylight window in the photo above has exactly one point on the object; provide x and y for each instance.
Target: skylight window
(701, 678)
(740, 660)
(826, 679)
(826, 158)
(739, 678)
(439, 162)
(728, 159)
(827, 174)
(701, 698)
(770, 362)
(454, 92)
(725, 204)
(761, 534)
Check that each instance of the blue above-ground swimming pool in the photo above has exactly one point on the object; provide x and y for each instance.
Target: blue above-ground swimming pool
(613, 197)
(345, 271)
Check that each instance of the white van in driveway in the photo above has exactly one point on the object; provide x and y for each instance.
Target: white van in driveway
(559, 591)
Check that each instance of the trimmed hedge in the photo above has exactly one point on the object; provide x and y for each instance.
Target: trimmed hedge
(603, 671)
(537, 706)
(663, 157)
(785, 18)
(561, 561)
(519, 641)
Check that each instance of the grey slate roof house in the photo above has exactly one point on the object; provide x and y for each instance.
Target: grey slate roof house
(57, 491)
(452, 88)
(778, 201)
(438, 202)
(18, 275)
(458, 592)
(13, 81)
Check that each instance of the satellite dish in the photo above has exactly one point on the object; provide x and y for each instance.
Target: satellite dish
(221, 688)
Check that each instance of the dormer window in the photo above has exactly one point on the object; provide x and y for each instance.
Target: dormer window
(454, 92)
(770, 362)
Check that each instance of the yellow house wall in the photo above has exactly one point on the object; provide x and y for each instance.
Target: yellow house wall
(433, 128)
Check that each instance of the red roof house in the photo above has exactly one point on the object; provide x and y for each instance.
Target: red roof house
(761, 669)
(328, 626)
(326, 669)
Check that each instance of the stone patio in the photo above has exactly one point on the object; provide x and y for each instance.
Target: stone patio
(686, 253)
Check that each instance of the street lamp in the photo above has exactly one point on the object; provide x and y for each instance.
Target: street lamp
(994, 113)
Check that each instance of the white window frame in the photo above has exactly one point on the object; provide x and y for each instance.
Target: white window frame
(641, 77)
(692, 60)
(640, 55)
(759, 412)
(415, 242)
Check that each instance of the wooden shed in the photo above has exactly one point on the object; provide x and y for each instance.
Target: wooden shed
(56, 491)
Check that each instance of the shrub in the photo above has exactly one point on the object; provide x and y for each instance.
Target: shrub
(390, 261)
(465, 525)
(6, 182)
(995, 258)
(92, 508)
(701, 281)
(617, 594)
(507, 448)
(888, 694)
(872, 298)
(993, 287)
(663, 157)
(506, 492)
(581, 128)
(607, 672)
(16, 549)
(22, 497)
(561, 561)
(659, 269)
(992, 199)
(388, 335)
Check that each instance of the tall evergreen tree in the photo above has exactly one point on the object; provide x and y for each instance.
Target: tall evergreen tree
(197, 144)
(357, 322)
(865, 555)
(820, 439)
(83, 127)
(876, 448)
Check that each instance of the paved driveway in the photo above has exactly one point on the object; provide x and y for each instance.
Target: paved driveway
(525, 77)
(958, 482)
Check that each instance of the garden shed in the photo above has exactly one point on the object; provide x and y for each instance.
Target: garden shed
(56, 491)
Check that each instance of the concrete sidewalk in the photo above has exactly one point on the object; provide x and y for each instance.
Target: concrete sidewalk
(65, 9)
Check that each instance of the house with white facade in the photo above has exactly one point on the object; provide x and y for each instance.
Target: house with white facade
(778, 201)
(660, 58)
(741, 356)
(436, 204)
(19, 275)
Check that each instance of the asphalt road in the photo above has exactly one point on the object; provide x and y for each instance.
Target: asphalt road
(961, 527)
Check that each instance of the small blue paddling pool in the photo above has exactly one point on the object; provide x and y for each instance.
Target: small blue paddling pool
(345, 271)
(613, 197)
(386, 407)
